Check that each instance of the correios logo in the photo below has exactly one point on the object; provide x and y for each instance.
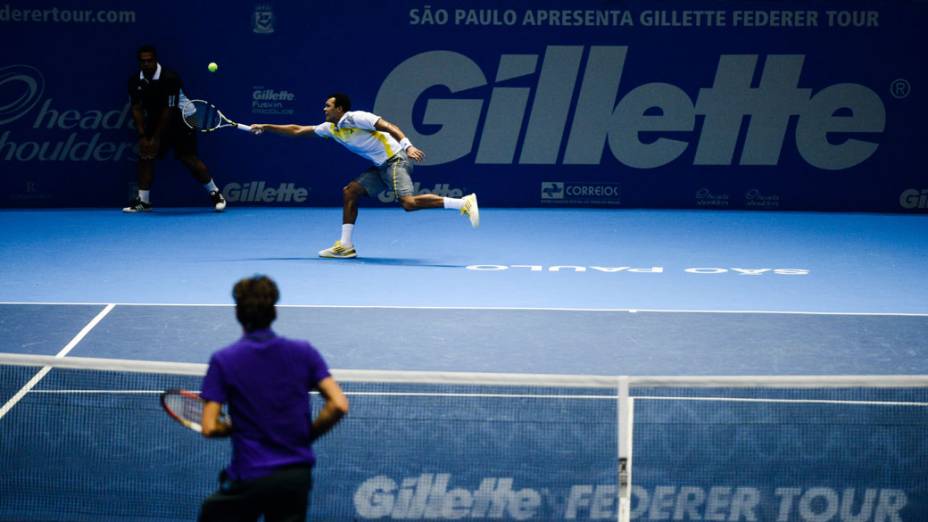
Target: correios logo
(552, 190)
(440, 189)
(579, 192)
(759, 92)
(914, 198)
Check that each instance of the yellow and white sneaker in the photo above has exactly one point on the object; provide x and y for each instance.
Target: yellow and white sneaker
(339, 251)
(471, 210)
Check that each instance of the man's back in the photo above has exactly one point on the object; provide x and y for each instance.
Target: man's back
(266, 380)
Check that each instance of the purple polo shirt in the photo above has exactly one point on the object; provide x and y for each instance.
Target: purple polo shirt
(266, 380)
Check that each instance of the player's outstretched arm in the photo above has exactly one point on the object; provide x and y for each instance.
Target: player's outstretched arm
(286, 130)
(397, 133)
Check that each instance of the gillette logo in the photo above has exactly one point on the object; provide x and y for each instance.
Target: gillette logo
(444, 190)
(914, 198)
(261, 94)
(259, 192)
(428, 497)
(271, 101)
(752, 96)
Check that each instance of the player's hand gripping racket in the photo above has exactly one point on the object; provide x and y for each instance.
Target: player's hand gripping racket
(186, 407)
(203, 116)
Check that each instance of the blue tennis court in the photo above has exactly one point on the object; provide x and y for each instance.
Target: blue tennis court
(589, 294)
(534, 291)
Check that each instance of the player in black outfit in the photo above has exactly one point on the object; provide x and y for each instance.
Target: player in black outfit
(157, 100)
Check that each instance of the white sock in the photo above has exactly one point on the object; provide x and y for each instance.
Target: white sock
(453, 203)
(145, 196)
(211, 186)
(347, 228)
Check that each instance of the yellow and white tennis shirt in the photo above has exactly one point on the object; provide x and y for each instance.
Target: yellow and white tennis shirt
(355, 130)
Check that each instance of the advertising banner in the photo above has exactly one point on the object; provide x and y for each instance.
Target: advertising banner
(722, 105)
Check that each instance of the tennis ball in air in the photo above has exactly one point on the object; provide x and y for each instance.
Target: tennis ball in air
(213, 67)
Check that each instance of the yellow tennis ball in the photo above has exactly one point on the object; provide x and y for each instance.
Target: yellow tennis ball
(213, 67)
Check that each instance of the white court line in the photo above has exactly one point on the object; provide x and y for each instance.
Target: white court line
(60, 355)
(496, 308)
(453, 395)
(786, 401)
(99, 392)
(503, 379)
(364, 394)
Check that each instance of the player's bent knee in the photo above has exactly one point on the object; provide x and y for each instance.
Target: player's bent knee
(408, 203)
(352, 192)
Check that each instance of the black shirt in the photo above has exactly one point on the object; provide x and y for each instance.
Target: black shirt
(154, 95)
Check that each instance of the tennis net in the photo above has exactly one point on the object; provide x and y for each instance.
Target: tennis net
(85, 439)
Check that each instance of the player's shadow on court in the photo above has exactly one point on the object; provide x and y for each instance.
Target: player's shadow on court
(380, 261)
(182, 211)
(398, 261)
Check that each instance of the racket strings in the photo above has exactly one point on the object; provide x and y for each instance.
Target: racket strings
(187, 408)
(201, 115)
(193, 409)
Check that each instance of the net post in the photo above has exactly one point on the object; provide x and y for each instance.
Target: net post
(624, 432)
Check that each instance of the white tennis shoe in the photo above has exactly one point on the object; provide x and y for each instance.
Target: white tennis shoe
(339, 251)
(471, 210)
(219, 202)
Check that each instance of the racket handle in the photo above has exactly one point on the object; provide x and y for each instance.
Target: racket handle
(246, 128)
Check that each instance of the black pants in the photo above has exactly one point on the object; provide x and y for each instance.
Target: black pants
(280, 497)
(177, 136)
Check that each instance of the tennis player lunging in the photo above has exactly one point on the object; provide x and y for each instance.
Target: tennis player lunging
(266, 380)
(388, 148)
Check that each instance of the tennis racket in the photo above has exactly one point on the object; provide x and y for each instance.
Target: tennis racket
(186, 407)
(203, 116)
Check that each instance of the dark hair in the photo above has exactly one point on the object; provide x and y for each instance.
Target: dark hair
(341, 100)
(254, 302)
(147, 48)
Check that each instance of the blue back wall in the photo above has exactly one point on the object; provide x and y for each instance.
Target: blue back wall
(679, 104)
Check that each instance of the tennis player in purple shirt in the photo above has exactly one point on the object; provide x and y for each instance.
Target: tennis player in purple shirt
(266, 380)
